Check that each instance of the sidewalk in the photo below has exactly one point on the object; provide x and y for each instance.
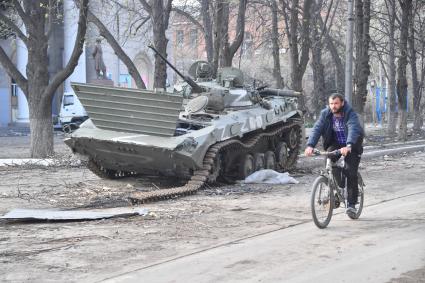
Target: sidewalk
(15, 131)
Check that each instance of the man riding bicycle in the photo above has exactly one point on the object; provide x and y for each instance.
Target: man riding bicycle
(339, 127)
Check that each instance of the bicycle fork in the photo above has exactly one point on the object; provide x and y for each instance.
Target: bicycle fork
(341, 194)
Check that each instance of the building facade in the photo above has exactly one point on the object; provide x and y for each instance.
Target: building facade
(13, 103)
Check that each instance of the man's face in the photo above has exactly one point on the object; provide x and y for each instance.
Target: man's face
(336, 105)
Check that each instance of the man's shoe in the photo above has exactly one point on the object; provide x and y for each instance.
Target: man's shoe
(351, 210)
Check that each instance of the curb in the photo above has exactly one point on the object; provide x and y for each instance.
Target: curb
(386, 145)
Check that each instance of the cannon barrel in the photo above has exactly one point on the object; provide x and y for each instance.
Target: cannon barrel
(195, 87)
(279, 92)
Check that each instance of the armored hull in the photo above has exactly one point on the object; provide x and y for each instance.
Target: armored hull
(178, 154)
(224, 132)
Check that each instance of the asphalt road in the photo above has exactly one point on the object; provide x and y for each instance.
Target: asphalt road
(386, 242)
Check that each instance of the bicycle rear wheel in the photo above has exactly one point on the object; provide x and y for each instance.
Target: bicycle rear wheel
(360, 198)
(322, 200)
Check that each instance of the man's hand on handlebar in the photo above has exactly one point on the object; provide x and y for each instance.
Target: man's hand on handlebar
(309, 151)
(345, 150)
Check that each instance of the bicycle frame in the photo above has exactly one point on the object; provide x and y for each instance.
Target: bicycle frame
(340, 193)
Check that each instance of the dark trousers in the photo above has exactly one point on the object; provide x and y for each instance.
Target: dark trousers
(352, 161)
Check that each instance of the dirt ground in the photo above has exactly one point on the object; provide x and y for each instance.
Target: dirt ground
(89, 250)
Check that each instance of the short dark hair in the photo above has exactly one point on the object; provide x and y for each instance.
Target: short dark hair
(336, 95)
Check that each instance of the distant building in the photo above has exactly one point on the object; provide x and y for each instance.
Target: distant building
(254, 56)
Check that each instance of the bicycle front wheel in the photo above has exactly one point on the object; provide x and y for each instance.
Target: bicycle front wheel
(322, 200)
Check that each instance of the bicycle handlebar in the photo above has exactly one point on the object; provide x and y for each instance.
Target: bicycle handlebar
(327, 153)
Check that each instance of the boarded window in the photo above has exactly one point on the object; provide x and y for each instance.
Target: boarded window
(193, 38)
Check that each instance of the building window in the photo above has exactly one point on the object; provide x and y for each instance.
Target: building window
(180, 38)
(13, 88)
(247, 44)
(68, 100)
(193, 38)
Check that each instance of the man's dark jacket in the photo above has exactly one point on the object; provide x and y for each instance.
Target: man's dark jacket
(324, 127)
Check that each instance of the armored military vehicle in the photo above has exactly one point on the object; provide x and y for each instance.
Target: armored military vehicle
(209, 130)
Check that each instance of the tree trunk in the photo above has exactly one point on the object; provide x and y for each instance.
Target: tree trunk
(392, 114)
(340, 72)
(40, 108)
(319, 92)
(225, 45)
(362, 68)
(406, 6)
(218, 19)
(417, 122)
(208, 36)
(275, 41)
(160, 41)
(228, 50)
(296, 83)
(224, 51)
(298, 60)
(41, 126)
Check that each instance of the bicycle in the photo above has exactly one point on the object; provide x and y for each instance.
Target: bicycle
(329, 191)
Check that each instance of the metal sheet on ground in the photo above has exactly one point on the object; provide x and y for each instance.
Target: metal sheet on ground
(60, 215)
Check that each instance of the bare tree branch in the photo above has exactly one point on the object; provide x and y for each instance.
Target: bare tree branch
(14, 27)
(146, 6)
(240, 28)
(381, 60)
(25, 18)
(76, 53)
(13, 72)
(189, 17)
(167, 12)
(285, 12)
(145, 20)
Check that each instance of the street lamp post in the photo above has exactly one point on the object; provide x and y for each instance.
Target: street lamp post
(349, 53)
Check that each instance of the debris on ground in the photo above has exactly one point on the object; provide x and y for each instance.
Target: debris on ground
(268, 176)
(64, 215)
(26, 161)
(68, 160)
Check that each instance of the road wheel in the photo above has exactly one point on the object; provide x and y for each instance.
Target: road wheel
(292, 138)
(259, 161)
(281, 154)
(270, 160)
(216, 169)
(247, 166)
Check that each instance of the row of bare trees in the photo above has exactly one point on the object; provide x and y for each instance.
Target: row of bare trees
(397, 42)
(389, 32)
